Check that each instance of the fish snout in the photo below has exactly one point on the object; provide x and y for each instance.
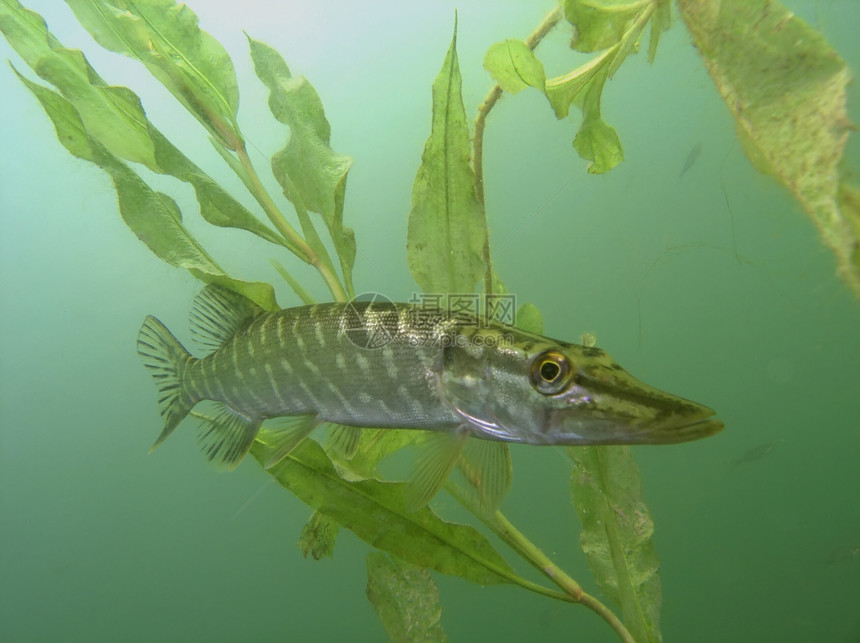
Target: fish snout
(625, 410)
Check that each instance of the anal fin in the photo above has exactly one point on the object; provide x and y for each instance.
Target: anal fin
(225, 435)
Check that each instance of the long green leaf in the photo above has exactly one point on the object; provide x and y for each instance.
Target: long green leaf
(189, 62)
(786, 89)
(405, 598)
(216, 205)
(377, 513)
(153, 217)
(447, 226)
(616, 534)
(311, 174)
(114, 117)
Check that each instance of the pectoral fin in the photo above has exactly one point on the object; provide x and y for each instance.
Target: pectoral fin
(434, 464)
(285, 435)
(485, 466)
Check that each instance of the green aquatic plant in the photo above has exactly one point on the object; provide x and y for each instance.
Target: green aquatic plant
(448, 241)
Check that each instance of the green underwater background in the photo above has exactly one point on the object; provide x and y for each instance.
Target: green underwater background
(707, 281)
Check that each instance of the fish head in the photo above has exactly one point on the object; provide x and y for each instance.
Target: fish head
(536, 390)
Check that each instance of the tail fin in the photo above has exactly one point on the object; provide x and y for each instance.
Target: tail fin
(165, 358)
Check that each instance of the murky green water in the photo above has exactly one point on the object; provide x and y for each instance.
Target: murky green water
(713, 285)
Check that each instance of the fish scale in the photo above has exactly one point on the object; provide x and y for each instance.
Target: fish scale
(277, 378)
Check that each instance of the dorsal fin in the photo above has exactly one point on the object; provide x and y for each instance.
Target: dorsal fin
(217, 313)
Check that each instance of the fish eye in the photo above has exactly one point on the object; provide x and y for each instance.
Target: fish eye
(550, 372)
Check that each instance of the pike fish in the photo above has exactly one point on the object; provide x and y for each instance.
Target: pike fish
(381, 364)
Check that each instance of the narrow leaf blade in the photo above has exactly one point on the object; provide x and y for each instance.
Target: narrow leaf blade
(447, 227)
(153, 217)
(616, 534)
(114, 117)
(111, 115)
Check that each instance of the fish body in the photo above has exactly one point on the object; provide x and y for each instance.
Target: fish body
(397, 365)
(313, 360)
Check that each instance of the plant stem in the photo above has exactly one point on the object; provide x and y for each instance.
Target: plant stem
(300, 246)
(505, 530)
(233, 140)
(478, 142)
(530, 552)
(293, 283)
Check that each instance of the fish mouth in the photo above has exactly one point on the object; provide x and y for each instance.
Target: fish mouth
(675, 432)
(628, 411)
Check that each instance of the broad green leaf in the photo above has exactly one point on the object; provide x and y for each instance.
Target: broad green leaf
(153, 217)
(318, 536)
(112, 115)
(164, 36)
(514, 66)
(376, 512)
(405, 598)
(786, 89)
(600, 24)
(312, 175)
(447, 226)
(616, 534)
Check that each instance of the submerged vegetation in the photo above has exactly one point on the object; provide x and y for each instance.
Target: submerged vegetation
(783, 84)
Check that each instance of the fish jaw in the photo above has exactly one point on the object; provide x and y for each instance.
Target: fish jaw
(607, 405)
